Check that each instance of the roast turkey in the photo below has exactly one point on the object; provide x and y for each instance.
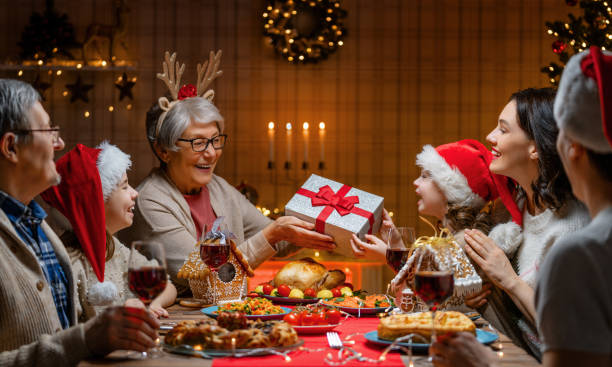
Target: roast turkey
(307, 273)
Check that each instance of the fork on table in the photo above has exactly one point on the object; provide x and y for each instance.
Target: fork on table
(333, 339)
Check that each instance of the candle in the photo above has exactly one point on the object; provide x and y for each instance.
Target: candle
(270, 143)
(322, 143)
(305, 127)
(288, 162)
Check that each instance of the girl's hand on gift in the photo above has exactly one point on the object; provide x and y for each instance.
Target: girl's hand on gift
(478, 299)
(375, 248)
(490, 258)
(297, 232)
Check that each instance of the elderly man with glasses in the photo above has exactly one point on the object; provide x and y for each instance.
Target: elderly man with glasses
(37, 291)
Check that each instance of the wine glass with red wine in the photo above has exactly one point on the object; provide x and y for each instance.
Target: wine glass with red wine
(215, 254)
(434, 282)
(399, 242)
(147, 274)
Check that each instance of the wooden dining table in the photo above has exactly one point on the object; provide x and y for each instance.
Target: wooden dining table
(312, 353)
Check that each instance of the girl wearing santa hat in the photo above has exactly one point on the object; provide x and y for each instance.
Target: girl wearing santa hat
(95, 197)
(457, 188)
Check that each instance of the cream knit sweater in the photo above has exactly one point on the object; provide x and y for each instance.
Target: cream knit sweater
(540, 232)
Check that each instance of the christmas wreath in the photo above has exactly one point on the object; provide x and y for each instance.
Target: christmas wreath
(303, 31)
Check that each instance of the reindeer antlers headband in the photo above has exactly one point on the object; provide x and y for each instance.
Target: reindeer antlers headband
(172, 74)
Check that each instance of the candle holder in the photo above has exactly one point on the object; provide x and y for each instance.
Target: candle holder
(305, 164)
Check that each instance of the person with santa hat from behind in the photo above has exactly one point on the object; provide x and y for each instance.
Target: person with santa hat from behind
(573, 298)
(96, 199)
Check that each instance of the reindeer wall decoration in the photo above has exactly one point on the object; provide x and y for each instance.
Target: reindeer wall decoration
(114, 34)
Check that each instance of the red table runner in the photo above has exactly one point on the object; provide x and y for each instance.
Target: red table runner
(310, 359)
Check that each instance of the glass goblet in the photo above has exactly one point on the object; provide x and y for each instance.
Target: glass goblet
(214, 255)
(399, 242)
(147, 274)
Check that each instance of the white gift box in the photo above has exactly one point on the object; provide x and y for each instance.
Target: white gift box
(337, 210)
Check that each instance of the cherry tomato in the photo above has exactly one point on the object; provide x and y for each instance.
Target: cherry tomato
(267, 289)
(309, 292)
(333, 316)
(319, 318)
(307, 319)
(336, 292)
(292, 318)
(284, 290)
(348, 285)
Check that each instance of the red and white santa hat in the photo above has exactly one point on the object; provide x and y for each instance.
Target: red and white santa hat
(461, 171)
(583, 105)
(89, 176)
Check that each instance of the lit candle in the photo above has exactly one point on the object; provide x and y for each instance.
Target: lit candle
(288, 162)
(322, 144)
(270, 143)
(305, 127)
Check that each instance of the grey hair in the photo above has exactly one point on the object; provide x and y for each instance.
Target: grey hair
(16, 100)
(178, 118)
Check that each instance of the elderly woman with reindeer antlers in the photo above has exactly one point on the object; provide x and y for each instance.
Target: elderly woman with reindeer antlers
(183, 197)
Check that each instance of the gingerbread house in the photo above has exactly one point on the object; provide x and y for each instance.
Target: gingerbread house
(231, 277)
(432, 252)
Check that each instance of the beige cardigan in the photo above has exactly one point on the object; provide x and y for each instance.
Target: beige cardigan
(162, 214)
(30, 330)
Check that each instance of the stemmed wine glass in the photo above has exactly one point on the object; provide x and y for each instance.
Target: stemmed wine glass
(434, 282)
(214, 254)
(147, 274)
(399, 241)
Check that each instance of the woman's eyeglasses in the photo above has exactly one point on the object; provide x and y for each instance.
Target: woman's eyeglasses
(201, 144)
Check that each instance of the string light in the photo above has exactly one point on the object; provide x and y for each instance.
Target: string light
(20, 73)
(111, 108)
(86, 114)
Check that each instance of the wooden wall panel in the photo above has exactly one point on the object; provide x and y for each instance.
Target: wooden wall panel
(409, 74)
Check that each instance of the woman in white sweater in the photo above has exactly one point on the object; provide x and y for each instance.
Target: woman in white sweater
(523, 146)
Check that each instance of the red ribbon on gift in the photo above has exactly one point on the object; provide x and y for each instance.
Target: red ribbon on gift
(335, 201)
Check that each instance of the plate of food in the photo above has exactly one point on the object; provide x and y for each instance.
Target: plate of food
(303, 281)
(232, 335)
(286, 300)
(313, 319)
(361, 305)
(420, 323)
(253, 308)
(485, 337)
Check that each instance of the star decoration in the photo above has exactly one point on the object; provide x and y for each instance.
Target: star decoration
(78, 90)
(125, 86)
(41, 86)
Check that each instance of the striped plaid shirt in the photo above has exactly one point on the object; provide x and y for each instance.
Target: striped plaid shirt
(27, 220)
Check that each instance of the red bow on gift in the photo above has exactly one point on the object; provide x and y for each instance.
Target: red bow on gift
(326, 196)
(335, 200)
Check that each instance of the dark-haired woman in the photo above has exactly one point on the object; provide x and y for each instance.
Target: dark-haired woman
(523, 146)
